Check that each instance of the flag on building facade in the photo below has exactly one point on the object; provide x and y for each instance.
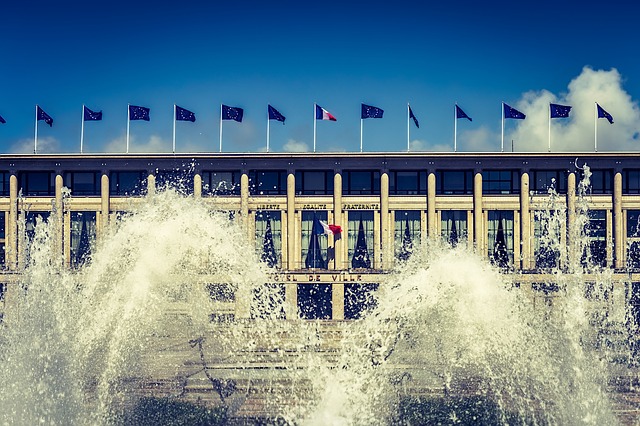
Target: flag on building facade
(183, 114)
(510, 112)
(368, 111)
(43, 116)
(361, 258)
(559, 111)
(461, 114)
(269, 256)
(415, 120)
(138, 113)
(232, 113)
(274, 114)
(323, 114)
(331, 229)
(604, 114)
(89, 115)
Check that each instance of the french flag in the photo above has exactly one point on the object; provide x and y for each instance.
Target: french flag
(331, 229)
(323, 114)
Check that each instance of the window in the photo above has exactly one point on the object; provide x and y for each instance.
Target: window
(631, 181)
(595, 253)
(601, 181)
(221, 183)
(360, 239)
(268, 301)
(407, 182)
(359, 299)
(127, 183)
(177, 179)
(314, 301)
(544, 180)
(269, 237)
(272, 182)
(83, 183)
(364, 182)
(406, 232)
(3, 240)
(4, 184)
(454, 182)
(314, 247)
(500, 238)
(547, 230)
(35, 184)
(316, 182)
(453, 226)
(633, 239)
(500, 182)
(83, 235)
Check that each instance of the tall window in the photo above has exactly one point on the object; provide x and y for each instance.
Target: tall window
(314, 182)
(406, 232)
(221, 183)
(83, 183)
(596, 251)
(270, 182)
(269, 237)
(313, 246)
(314, 301)
(543, 180)
(453, 226)
(633, 239)
(359, 299)
(500, 238)
(631, 181)
(500, 182)
(361, 182)
(83, 235)
(454, 182)
(547, 232)
(36, 184)
(407, 182)
(4, 184)
(3, 240)
(127, 183)
(360, 239)
(177, 179)
(601, 181)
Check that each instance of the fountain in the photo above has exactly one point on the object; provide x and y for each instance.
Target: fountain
(450, 340)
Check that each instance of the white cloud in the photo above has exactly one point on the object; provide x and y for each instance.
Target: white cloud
(481, 139)
(154, 144)
(46, 144)
(295, 146)
(577, 132)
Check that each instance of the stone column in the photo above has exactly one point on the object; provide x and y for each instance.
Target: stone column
(478, 217)
(387, 246)
(292, 235)
(59, 212)
(572, 233)
(431, 205)
(244, 200)
(618, 223)
(525, 222)
(337, 301)
(339, 244)
(104, 201)
(197, 185)
(151, 183)
(12, 224)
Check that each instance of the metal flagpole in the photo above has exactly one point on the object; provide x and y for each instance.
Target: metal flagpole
(315, 107)
(408, 129)
(35, 139)
(174, 128)
(502, 143)
(268, 129)
(220, 127)
(128, 121)
(549, 128)
(361, 121)
(82, 130)
(595, 138)
(455, 128)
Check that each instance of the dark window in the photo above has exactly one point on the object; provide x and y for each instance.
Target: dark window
(314, 301)
(500, 182)
(315, 182)
(543, 180)
(601, 181)
(633, 239)
(596, 251)
(407, 183)
(83, 235)
(127, 183)
(4, 184)
(454, 182)
(83, 183)
(631, 181)
(271, 182)
(180, 180)
(31, 220)
(359, 299)
(221, 183)
(37, 183)
(361, 182)
(3, 240)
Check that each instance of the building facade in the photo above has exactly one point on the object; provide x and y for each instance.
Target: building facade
(385, 203)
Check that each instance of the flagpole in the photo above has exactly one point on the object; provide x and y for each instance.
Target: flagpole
(268, 129)
(315, 107)
(220, 127)
(502, 114)
(361, 121)
(408, 130)
(82, 130)
(549, 128)
(128, 121)
(35, 139)
(174, 128)
(595, 135)
(455, 129)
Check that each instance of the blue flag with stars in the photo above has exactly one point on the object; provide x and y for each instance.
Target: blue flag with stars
(415, 120)
(138, 113)
(604, 114)
(184, 114)
(92, 115)
(274, 114)
(559, 111)
(2, 120)
(43, 116)
(513, 113)
(232, 113)
(369, 111)
(461, 114)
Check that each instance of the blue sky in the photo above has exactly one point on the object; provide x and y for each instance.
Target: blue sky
(291, 54)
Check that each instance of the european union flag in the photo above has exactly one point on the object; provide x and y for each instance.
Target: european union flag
(274, 114)
(41, 115)
(184, 115)
(559, 111)
(461, 114)
(232, 113)
(604, 114)
(512, 113)
(92, 115)
(138, 113)
(2, 120)
(415, 120)
(369, 111)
